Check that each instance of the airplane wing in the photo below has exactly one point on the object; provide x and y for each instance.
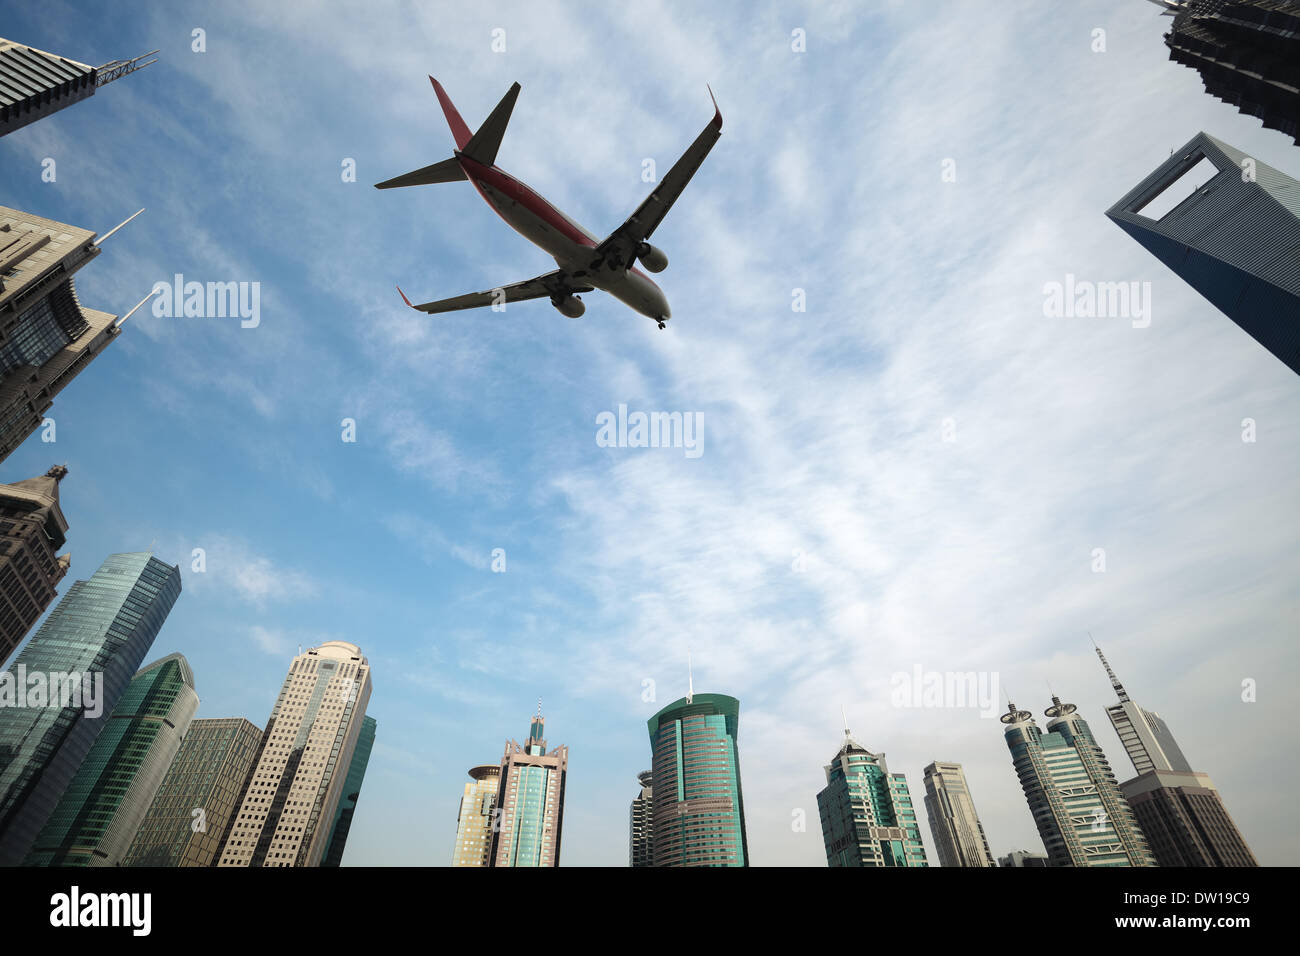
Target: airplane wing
(555, 284)
(623, 242)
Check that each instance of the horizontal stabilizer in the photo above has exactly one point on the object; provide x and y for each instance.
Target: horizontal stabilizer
(447, 171)
(483, 145)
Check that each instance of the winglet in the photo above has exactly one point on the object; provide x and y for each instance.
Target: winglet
(717, 113)
(459, 131)
(403, 295)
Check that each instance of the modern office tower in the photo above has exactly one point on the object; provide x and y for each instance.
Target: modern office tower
(95, 822)
(46, 336)
(1081, 815)
(699, 811)
(1231, 237)
(1023, 858)
(286, 815)
(866, 812)
(85, 654)
(351, 793)
(1247, 52)
(474, 819)
(34, 83)
(197, 799)
(1179, 810)
(954, 824)
(530, 799)
(641, 831)
(32, 529)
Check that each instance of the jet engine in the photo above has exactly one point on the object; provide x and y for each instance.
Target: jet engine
(652, 257)
(570, 305)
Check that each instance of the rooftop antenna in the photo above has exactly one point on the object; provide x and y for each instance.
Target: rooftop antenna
(139, 305)
(100, 240)
(1114, 681)
(844, 714)
(116, 69)
(539, 707)
(690, 680)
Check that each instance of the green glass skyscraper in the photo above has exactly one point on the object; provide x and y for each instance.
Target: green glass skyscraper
(95, 822)
(866, 812)
(351, 792)
(89, 647)
(699, 813)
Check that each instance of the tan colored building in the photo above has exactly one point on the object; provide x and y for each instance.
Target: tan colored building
(32, 529)
(286, 817)
(474, 820)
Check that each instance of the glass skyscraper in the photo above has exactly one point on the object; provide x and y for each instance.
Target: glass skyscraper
(530, 802)
(95, 822)
(96, 636)
(866, 812)
(699, 812)
(351, 793)
(1081, 815)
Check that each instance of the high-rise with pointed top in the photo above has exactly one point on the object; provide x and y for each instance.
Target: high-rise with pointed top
(529, 808)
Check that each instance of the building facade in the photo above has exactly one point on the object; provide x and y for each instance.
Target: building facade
(351, 794)
(958, 834)
(286, 815)
(32, 529)
(95, 639)
(34, 84)
(474, 820)
(530, 799)
(641, 830)
(866, 813)
(1023, 858)
(1080, 813)
(1230, 239)
(699, 808)
(196, 801)
(95, 822)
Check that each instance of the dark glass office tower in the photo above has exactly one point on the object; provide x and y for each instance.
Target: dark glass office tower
(1247, 52)
(699, 813)
(32, 529)
(1232, 237)
(34, 84)
(95, 822)
(351, 792)
(94, 639)
(196, 803)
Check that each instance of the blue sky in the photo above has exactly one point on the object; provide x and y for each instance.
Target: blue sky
(822, 429)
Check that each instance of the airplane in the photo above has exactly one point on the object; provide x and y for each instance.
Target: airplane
(585, 262)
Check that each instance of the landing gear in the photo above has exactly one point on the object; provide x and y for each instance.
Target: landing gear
(661, 324)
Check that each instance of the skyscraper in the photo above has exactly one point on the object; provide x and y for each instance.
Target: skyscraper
(641, 831)
(954, 824)
(866, 812)
(1230, 237)
(93, 640)
(1247, 52)
(1180, 811)
(34, 83)
(530, 800)
(46, 336)
(196, 802)
(1081, 815)
(1024, 859)
(95, 822)
(286, 815)
(32, 529)
(475, 817)
(699, 810)
(351, 793)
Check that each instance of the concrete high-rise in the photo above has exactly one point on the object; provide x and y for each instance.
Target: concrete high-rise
(196, 802)
(32, 529)
(351, 793)
(1180, 811)
(82, 659)
(46, 337)
(699, 809)
(1247, 52)
(475, 818)
(34, 84)
(866, 812)
(1231, 237)
(530, 801)
(641, 830)
(95, 822)
(958, 834)
(1023, 858)
(1081, 815)
(286, 815)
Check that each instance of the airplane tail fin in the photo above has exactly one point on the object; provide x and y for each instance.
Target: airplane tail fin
(482, 146)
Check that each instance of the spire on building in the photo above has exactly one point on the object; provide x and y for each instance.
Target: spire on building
(1114, 681)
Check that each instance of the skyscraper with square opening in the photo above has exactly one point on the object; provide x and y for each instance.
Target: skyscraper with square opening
(529, 811)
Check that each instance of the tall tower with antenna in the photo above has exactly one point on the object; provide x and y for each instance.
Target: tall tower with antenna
(1146, 737)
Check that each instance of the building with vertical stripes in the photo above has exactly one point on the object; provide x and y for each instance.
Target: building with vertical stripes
(476, 816)
(958, 834)
(34, 84)
(529, 811)
(866, 812)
